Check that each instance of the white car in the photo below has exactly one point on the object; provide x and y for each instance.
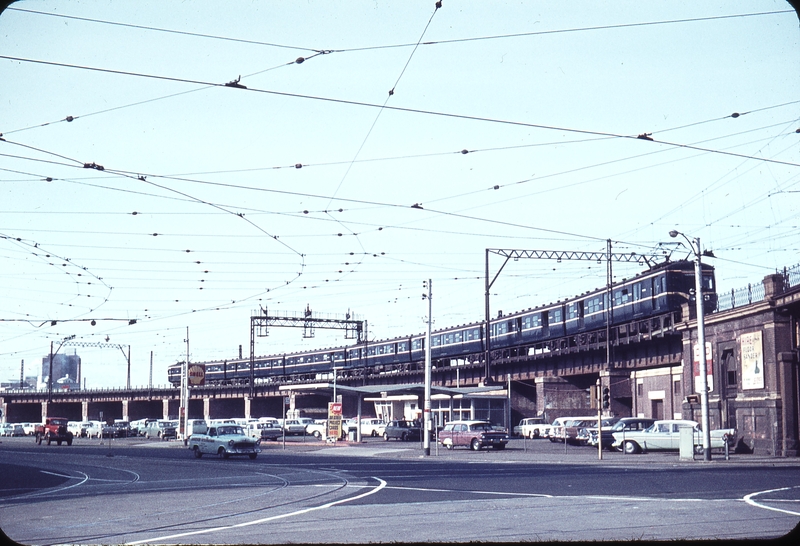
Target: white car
(370, 426)
(532, 427)
(224, 441)
(318, 429)
(665, 436)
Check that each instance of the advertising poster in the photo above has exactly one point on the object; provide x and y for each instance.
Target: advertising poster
(709, 368)
(752, 351)
(334, 419)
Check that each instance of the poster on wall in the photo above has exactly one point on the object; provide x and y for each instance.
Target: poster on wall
(752, 351)
(709, 368)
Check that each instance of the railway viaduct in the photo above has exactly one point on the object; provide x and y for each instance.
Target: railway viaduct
(752, 357)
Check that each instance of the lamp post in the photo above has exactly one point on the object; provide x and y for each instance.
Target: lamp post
(50, 374)
(701, 341)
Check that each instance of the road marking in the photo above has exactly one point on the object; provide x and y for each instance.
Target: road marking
(749, 500)
(380, 486)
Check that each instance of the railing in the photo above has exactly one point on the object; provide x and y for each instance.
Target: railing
(755, 292)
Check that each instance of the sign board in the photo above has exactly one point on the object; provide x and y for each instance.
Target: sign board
(752, 350)
(197, 375)
(334, 419)
(709, 368)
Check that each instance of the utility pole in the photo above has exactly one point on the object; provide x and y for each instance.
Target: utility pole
(184, 390)
(426, 415)
(701, 340)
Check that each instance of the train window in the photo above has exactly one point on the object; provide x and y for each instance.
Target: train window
(531, 321)
(475, 333)
(637, 291)
(354, 354)
(371, 351)
(572, 311)
(416, 344)
(554, 316)
(595, 304)
(708, 282)
(436, 341)
(447, 339)
(457, 337)
(402, 346)
(621, 296)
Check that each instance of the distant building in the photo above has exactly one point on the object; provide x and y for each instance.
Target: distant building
(66, 372)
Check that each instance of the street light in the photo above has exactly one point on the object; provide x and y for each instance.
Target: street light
(701, 341)
(50, 376)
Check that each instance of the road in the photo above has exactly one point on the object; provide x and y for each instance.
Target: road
(150, 492)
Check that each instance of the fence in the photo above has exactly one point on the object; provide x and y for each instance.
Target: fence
(752, 293)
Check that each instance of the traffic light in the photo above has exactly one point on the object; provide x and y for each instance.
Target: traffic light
(606, 398)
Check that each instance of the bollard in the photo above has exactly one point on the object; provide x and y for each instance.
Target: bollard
(727, 450)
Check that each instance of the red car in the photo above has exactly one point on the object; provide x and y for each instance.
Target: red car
(473, 435)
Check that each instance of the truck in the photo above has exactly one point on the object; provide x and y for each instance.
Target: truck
(54, 429)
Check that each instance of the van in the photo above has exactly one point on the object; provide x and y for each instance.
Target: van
(196, 426)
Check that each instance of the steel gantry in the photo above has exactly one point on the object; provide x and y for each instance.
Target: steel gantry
(560, 255)
(260, 323)
(102, 345)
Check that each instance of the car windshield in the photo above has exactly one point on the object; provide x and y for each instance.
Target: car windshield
(481, 426)
(223, 431)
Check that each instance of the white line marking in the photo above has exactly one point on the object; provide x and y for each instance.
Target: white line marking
(381, 485)
(749, 500)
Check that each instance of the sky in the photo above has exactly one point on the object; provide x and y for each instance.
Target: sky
(185, 165)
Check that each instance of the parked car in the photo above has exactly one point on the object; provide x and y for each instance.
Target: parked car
(123, 429)
(160, 428)
(76, 428)
(532, 427)
(29, 428)
(624, 424)
(559, 428)
(293, 427)
(17, 430)
(575, 431)
(370, 426)
(665, 435)
(473, 435)
(224, 440)
(403, 430)
(6, 429)
(265, 430)
(318, 429)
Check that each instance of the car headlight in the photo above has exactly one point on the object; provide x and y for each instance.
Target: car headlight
(231, 442)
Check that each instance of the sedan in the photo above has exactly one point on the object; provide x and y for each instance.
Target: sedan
(665, 436)
(402, 430)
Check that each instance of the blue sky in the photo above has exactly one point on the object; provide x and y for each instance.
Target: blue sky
(200, 215)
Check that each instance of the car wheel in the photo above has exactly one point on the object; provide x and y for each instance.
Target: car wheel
(535, 434)
(222, 453)
(630, 447)
(252, 455)
(147, 435)
(386, 436)
(475, 444)
(448, 445)
(197, 452)
(317, 434)
(48, 440)
(698, 450)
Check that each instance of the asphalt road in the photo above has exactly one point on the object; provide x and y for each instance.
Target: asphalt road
(150, 492)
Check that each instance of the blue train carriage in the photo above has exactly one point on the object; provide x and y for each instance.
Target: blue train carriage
(657, 291)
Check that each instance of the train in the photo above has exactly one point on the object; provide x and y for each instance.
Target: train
(661, 290)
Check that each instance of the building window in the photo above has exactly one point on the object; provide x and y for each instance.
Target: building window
(640, 389)
(676, 387)
(731, 378)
